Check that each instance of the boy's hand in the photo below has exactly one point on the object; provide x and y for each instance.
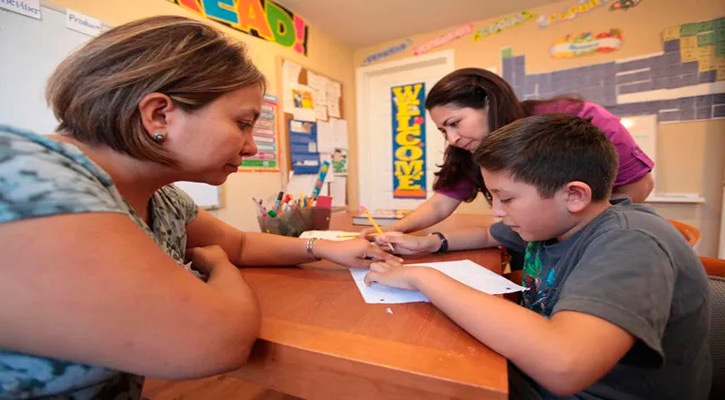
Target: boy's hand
(353, 253)
(206, 258)
(409, 244)
(392, 273)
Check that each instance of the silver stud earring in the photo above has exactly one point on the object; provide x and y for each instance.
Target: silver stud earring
(159, 137)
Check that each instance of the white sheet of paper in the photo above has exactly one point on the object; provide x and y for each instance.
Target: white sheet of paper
(291, 72)
(464, 271)
(328, 235)
(334, 91)
(325, 137)
(333, 107)
(320, 104)
(338, 191)
(339, 129)
(302, 183)
(317, 81)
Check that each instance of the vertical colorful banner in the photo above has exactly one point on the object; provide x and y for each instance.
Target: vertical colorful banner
(408, 141)
(266, 138)
(260, 18)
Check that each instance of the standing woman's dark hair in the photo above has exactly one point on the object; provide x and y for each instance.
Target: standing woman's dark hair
(475, 88)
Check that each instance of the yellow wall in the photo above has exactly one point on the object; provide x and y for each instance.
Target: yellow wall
(690, 155)
(325, 55)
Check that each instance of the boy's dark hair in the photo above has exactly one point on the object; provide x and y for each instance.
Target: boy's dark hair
(475, 88)
(549, 151)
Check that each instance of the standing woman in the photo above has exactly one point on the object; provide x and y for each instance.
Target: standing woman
(469, 103)
(94, 236)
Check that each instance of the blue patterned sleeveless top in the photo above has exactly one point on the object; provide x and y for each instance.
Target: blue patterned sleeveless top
(40, 177)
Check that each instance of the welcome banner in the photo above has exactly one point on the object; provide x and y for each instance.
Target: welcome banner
(260, 18)
(408, 141)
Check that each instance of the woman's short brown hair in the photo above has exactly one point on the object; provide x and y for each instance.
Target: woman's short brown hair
(96, 91)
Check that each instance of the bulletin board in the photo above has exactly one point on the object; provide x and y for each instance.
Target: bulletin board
(315, 130)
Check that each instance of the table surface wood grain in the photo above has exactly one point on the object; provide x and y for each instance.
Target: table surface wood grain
(319, 339)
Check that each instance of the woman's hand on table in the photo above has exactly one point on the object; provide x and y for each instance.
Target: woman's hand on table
(408, 244)
(353, 253)
(207, 258)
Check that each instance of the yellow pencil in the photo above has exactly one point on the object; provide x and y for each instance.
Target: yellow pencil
(349, 235)
(375, 224)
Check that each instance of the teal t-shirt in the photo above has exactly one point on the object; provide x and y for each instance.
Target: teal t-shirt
(40, 177)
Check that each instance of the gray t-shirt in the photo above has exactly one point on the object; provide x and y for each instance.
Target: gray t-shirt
(630, 267)
(40, 177)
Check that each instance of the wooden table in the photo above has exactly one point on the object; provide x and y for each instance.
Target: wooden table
(320, 340)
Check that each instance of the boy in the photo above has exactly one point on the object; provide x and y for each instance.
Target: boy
(617, 302)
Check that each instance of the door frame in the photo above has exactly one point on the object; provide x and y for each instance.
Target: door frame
(363, 76)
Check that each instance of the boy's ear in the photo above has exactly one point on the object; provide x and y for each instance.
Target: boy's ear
(578, 196)
(154, 109)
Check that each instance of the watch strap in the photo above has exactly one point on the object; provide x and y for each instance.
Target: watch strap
(444, 242)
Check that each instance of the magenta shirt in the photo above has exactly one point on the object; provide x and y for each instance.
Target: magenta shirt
(633, 163)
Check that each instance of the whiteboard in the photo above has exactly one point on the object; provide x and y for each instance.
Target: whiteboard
(206, 196)
(31, 49)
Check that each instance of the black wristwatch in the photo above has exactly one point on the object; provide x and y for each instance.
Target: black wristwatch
(444, 242)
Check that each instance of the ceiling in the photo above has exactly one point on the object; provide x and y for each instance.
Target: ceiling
(360, 23)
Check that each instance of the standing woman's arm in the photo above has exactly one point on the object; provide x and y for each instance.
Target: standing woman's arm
(434, 210)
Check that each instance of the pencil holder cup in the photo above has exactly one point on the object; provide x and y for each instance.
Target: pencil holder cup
(295, 221)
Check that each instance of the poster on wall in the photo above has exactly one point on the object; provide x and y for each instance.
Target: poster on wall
(443, 39)
(702, 42)
(684, 82)
(569, 13)
(383, 54)
(301, 102)
(624, 4)
(266, 138)
(587, 43)
(303, 147)
(502, 24)
(263, 19)
(339, 162)
(408, 141)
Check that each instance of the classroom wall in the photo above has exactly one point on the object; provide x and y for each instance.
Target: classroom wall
(690, 154)
(324, 55)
